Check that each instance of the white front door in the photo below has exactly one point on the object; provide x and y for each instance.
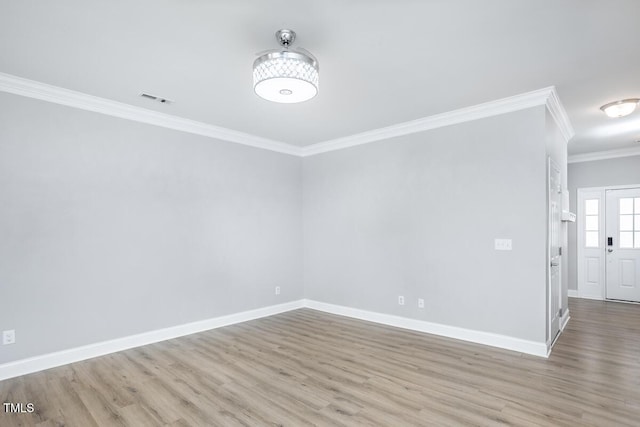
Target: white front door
(555, 218)
(623, 244)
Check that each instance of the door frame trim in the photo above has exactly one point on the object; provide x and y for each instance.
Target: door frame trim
(553, 335)
(602, 225)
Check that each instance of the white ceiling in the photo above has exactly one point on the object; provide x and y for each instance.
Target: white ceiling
(381, 62)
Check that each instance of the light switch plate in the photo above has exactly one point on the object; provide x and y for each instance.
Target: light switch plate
(503, 244)
(8, 337)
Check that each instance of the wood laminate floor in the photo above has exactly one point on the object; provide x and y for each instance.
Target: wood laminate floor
(309, 368)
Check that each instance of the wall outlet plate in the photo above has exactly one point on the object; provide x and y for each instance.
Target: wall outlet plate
(420, 303)
(277, 290)
(503, 245)
(401, 300)
(8, 337)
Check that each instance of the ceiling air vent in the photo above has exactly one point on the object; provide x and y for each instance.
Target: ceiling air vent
(156, 98)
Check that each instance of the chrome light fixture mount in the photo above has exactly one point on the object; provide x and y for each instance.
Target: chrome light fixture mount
(620, 108)
(286, 75)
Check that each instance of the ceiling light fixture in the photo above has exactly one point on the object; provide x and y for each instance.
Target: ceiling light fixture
(285, 75)
(620, 108)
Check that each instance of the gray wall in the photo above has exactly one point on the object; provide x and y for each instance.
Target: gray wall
(110, 227)
(599, 173)
(417, 216)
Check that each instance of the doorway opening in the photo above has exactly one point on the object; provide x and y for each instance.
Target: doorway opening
(608, 239)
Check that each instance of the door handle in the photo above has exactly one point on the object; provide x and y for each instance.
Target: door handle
(554, 264)
(609, 250)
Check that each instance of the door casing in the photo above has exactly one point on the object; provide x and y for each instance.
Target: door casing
(554, 242)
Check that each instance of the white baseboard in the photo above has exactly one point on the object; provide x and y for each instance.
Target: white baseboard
(51, 360)
(594, 297)
(479, 337)
(564, 320)
(574, 293)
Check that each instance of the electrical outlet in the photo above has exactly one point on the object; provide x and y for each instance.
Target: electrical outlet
(8, 337)
(420, 303)
(401, 300)
(277, 290)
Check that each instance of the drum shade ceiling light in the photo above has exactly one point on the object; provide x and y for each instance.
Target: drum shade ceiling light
(285, 75)
(620, 108)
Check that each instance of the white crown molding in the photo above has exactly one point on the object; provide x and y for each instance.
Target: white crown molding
(479, 337)
(603, 155)
(45, 92)
(51, 360)
(559, 114)
(547, 96)
(57, 95)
